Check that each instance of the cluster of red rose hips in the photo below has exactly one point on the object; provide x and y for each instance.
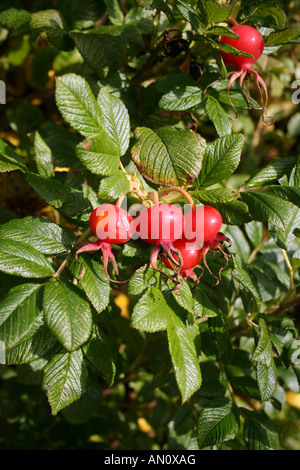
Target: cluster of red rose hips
(180, 240)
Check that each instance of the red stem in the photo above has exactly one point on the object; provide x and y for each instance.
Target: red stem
(232, 20)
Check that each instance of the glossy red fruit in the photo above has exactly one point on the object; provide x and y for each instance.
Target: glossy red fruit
(160, 224)
(250, 40)
(202, 224)
(191, 255)
(111, 224)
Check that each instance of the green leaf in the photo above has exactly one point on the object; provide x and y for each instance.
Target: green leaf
(184, 356)
(214, 381)
(23, 260)
(52, 191)
(232, 50)
(35, 344)
(285, 239)
(267, 208)
(53, 24)
(267, 380)
(102, 353)
(114, 119)
(94, 281)
(42, 234)
(151, 313)
(62, 141)
(296, 174)
(268, 15)
(242, 276)
(266, 372)
(114, 186)
(156, 5)
(217, 195)
(99, 154)
(67, 313)
(9, 159)
(65, 376)
(77, 207)
(184, 298)
(221, 159)
(81, 14)
(179, 92)
(222, 31)
(263, 351)
(254, 231)
(271, 172)
(168, 156)
(143, 278)
(239, 242)
(43, 156)
(289, 193)
(114, 11)
(246, 385)
(130, 34)
(154, 313)
(259, 431)
(104, 53)
(205, 304)
(189, 14)
(218, 116)
(216, 13)
(16, 20)
(77, 104)
(20, 313)
(220, 333)
(218, 422)
(280, 37)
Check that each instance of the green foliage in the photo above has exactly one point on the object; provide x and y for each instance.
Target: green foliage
(107, 99)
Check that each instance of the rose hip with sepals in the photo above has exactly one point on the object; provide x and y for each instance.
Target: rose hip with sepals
(160, 225)
(251, 41)
(112, 225)
(191, 256)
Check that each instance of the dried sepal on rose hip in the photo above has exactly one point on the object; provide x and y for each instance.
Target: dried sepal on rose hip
(251, 41)
(112, 225)
(202, 230)
(201, 225)
(191, 256)
(216, 244)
